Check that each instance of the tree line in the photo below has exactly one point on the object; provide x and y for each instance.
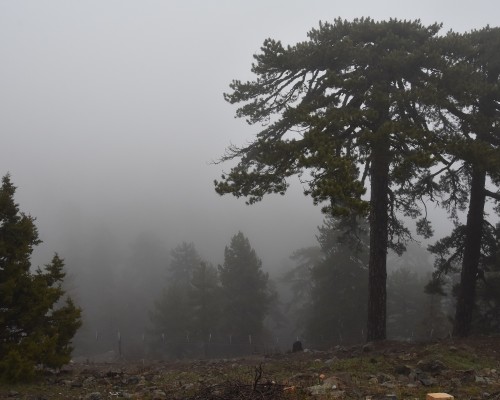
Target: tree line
(201, 301)
(378, 120)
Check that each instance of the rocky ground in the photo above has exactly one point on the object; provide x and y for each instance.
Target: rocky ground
(466, 369)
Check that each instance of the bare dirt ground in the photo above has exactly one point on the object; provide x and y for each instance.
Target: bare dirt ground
(466, 369)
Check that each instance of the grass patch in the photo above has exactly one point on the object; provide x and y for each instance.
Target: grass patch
(459, 359)
(365, 365)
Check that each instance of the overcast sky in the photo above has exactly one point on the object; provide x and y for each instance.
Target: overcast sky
(111, 111)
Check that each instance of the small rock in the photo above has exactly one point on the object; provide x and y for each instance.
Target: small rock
(159, 395)
(322, 390)
(385, 378)
(402, 370)
(317, 390)
(332, 382)
(297, 346)
(188, 386)
(434, 366)
(93, 396)
(133, 380)
(88, 381)
(368, 347)
(456, 382)
(426, 381)
(468, 376)
(302, 376)
(373, 381)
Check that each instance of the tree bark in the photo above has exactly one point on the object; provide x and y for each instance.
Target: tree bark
(472, 252)
(379, 203)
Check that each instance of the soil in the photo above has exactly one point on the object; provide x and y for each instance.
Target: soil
(466, 369)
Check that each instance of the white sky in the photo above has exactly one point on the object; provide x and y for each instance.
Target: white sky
(110, 111)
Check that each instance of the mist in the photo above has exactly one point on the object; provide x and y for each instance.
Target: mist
(112, 119)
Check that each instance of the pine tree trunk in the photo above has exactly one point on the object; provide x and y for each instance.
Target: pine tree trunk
(379, 203)
(472, 252)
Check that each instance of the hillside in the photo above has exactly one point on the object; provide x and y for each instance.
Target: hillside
(466, 369)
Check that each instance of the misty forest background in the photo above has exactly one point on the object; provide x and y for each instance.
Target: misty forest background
(147, 294)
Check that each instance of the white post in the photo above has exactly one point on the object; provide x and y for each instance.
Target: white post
(120, 344)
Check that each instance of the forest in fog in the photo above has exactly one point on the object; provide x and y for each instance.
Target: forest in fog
(185, 180)
(148, 303)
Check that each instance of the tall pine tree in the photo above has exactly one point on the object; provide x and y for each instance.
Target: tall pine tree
(467, 99)
(339, 109)
(245, 290)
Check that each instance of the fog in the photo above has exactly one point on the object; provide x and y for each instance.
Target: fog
(111, 115)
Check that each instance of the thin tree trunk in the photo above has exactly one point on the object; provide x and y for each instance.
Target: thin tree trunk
(472, 252)
(379, 202)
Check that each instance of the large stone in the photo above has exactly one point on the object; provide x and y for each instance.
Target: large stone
(438, 396)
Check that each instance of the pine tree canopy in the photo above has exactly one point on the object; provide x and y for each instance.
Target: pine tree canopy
(346, 106)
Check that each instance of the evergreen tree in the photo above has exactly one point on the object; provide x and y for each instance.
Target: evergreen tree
(486, 318)
(338, 307)
(245, 290)
(205, 300)
(298, 279)
(348, 98)
(172, 321)
(183, 260)
(172, 315)
(468, 116)
(37, 320)
(189, 308)
(406, 305)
